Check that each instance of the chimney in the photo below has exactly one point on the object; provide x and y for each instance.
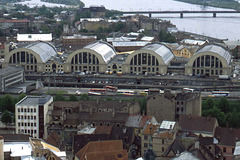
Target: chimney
(120, 101)
(113, 112)
(90, 111)
(1, 147)
(197, 145)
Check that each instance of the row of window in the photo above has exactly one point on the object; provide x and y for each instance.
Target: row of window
(27, 131)
(27, 124)
(29, 110)
(27, 117)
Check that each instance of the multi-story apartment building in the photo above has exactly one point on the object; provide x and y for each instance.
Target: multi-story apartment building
(31, 115)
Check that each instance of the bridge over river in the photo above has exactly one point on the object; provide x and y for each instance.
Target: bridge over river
(179, 12)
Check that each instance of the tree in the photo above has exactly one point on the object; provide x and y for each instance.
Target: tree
(6, 117)
(223, 104)
(217, 113)
(84, 97)
(73, 98)
(209, 103)
(59, 97)
(234, 119)
(7, 103)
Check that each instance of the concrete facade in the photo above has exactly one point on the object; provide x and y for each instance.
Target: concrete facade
(169, 106)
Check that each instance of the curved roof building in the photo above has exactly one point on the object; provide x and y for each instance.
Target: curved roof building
(32, 57)
(153, 58)
(93, 58)
(210, 60)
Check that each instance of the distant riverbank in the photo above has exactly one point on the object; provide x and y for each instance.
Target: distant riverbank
(220, 4)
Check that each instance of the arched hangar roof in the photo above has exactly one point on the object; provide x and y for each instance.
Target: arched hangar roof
(103, 48)
(160, 49)
(224, 53)
(44, 49)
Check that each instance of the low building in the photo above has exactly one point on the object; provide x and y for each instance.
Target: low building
(199, 125)
(10, 76)
(31, 115)
(226, 140)
(102, 150)
(76, 41)
(164, 137)
(27, 38)
(14, 23)
(170, 105)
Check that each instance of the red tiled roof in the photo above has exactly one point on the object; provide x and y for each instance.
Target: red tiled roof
(150, 129)
(197, 123)
(14, 21)
(227, 136)
(103, 130)
(53, 139)
(102, 150)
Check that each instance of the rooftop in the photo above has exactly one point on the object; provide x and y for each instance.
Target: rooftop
(167, 125)
(10, 70)
(227, 136)
(34, 37)
(162, 50)
(104, 49)
(34, 100)
(197, 123)
(44, 49)
(218, 50)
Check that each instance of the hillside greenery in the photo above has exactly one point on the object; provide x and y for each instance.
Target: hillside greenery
(230, 4)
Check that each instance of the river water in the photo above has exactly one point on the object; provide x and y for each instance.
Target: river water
(224, 26)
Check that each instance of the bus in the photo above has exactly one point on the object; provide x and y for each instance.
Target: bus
(97, 91)
(220, 93)
(111, 88)
(188, 89)
(125, 92)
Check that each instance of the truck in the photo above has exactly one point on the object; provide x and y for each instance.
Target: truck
(223, 77)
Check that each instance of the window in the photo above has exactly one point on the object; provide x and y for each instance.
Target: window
(224, 149)
(162, 141)
(18, 109)
(19, 124)
(34, 117)
(34, 110)
(162, 149)
(31, 110)
(145, 145)
(21, 109)
(19, 117)
(25, 117)
(145, 137)
(28, 110)
(34, 124)
(35, 131)
(25, 110)
(232, 150)
(31, 117)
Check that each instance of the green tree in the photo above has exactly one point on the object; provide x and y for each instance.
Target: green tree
(59, 97)
(223, 104)
(84, 97)
(209, 103)
(234, 119)
(8, 103)
(6, 117)
(73, 98)
(166, 37)
(217, 113)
